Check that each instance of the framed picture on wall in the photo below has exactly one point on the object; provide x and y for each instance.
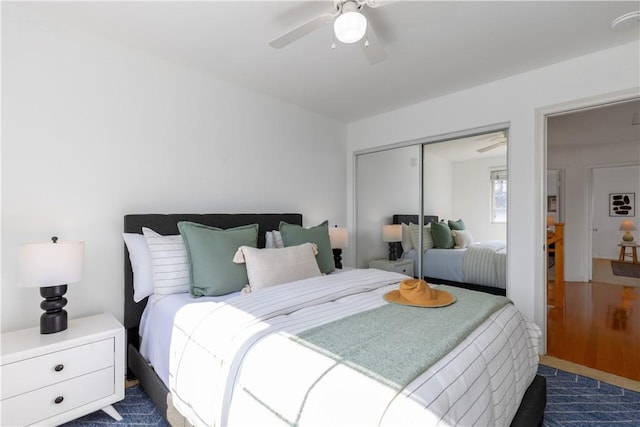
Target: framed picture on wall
(552, 204)
(622, 204)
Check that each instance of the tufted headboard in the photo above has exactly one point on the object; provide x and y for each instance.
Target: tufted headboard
(406, 219)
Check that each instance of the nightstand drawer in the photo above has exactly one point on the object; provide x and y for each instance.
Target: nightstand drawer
(37, 372)
(38, 405)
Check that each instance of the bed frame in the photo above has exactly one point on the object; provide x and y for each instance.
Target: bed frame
(529, 413)
(406, 219)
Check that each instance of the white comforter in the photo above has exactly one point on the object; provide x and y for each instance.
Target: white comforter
(234, 363)
(486, 264)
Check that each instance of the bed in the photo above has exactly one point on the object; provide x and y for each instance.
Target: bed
(482, 266)
(530, 389)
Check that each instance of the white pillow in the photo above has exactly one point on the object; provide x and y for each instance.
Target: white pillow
(273, 239)
(140, 258)
(275, 266)
(427, 239)
(406, 239)
(169, 261)
(462, 238)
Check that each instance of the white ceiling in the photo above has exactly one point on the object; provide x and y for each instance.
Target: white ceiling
(434, 48)
(608, 124)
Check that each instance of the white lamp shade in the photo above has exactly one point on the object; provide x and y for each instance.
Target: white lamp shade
(50, 264)
(392, 233)
(339, 237)
(350, 27)
(627, 225)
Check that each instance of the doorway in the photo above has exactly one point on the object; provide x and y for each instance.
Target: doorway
(598, 147)
(607, 183)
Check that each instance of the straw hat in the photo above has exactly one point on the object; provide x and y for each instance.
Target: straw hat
(418, 293)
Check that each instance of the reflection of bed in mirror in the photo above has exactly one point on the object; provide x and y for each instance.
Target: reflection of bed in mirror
(481, 266)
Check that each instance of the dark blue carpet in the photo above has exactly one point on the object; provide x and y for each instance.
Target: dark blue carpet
(572, 401)
(576, 401)
(136, 410)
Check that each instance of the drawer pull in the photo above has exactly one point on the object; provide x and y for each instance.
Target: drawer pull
(59, 399)
(59, 368)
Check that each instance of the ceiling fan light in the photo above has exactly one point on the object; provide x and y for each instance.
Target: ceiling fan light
(350, 27)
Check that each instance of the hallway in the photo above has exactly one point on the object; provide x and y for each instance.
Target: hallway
(598, 328)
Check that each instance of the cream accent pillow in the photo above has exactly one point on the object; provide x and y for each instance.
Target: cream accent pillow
(427, 239)
(406, 238)
(461, 238)
(169, 261)
(275, 266)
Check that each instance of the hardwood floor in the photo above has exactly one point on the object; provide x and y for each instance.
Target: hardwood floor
(598, 327)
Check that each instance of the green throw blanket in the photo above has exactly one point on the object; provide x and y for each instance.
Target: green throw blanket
(395, 343)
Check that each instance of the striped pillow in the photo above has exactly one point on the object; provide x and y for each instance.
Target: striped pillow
(169, 261)
(427, 239)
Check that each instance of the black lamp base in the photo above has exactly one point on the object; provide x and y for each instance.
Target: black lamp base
(393, 251)
(55, 317)
(337, 258)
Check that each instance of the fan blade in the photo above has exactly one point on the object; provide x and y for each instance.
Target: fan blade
(379, 3)
(491, 147)
(372, 47)
(302, 30)
(491, 137)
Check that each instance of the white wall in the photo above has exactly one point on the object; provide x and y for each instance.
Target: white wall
(576, 164)
(472, 198)
(93, 130)
(438, 185)
(607, 181)
(388, 184)
(516, 100)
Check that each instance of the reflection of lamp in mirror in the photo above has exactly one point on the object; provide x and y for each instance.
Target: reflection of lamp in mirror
(51, 266)
(627, 226)
(392, 234)
(339, 240)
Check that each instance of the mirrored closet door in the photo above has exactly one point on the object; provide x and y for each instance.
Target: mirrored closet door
(462, 184)
(387, 183)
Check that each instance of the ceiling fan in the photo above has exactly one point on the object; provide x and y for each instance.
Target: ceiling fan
(349, 25)
(496, 141)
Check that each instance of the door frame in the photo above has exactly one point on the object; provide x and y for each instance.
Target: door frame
(540, 215)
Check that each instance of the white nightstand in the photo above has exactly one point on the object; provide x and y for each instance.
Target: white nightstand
(54, 378)
(404, 266)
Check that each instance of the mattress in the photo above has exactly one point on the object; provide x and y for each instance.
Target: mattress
(251, 372)
(443, 264)
(156, 326)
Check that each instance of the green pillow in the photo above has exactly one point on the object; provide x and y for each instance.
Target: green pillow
(293, 235)
(441, 234)
(456, 225)
(210, 251)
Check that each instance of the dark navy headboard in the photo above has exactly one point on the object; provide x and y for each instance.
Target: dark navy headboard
(406, 219)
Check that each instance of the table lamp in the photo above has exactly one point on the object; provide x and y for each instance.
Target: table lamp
(51, 266)
(627, 226)
(339, 238)
(392, 234)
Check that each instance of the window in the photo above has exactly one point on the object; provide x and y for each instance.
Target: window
(499, 196)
